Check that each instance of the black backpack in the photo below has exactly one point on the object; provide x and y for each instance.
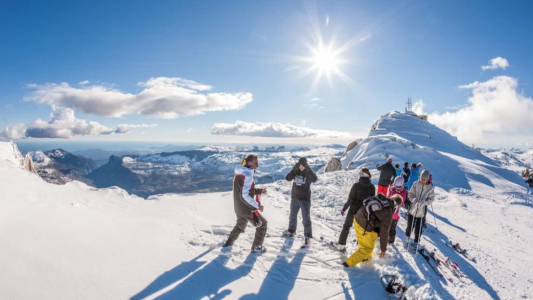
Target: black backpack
(373, 204)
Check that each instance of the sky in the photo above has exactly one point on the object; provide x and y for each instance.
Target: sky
(306, 72)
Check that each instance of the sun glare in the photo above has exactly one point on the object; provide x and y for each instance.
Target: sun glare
(325, 59)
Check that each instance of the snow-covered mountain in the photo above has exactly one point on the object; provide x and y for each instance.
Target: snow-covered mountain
(59, 166)
(406, 138)
(512, 159)
(77, 242)
(206, 169)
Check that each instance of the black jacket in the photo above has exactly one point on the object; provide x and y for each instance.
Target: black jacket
(301, 186)
(359, 192)
(388, 172)
(406, 173)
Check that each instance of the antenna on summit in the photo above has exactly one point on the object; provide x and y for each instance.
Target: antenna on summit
(409, 107)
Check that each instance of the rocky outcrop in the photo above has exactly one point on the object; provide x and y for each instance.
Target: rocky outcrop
(58, 166)
(334, 164)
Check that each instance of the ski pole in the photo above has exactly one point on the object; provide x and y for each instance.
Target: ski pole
(434, 218)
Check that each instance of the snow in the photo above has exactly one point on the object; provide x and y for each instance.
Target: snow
(77, 242)
(40, 159)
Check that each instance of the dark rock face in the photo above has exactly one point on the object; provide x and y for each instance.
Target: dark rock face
(63, 167)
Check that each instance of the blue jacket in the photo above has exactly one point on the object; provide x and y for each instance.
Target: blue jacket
(415, 173)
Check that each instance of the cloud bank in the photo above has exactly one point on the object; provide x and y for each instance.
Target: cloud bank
(272, 129)
(496, 63)
(64, 125)
(162, 97)
(495, 107)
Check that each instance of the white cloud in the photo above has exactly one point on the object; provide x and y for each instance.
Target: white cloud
(14, 132)
(495, 107)
(125, 128)
(162, 97)
(272, 129)
(316, 99)
(418, 107)
(495, 63)
(63, 124)
(190, 130)
(85, 82)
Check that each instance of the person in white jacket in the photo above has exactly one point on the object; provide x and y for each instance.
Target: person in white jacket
(422, 195)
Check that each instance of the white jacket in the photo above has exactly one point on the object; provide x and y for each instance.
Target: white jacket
(420, 196)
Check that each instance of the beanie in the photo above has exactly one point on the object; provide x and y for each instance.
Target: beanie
(425, 174)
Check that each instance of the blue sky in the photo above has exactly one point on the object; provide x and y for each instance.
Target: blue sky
(422, 49)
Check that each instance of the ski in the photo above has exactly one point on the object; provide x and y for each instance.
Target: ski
(427, 257)
(448, 263)
(460, 250)
(393, 287)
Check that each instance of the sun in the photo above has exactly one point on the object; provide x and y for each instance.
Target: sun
(325, 59)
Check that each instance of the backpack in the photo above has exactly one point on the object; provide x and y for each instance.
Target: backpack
(375, 203)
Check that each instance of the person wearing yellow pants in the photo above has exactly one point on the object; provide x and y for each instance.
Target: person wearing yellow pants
(367, 221)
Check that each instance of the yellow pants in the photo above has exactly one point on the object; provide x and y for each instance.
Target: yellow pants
(366, 243)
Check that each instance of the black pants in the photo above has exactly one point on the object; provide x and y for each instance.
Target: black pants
(407, 202)
(392, 231)
(242, 221)
(417, 226)
(348, 222)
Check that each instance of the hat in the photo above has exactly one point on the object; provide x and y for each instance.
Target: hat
(425, 174)
(419, 165)
(365, 172)
(398, 181)
(302, 161)
(389, 159)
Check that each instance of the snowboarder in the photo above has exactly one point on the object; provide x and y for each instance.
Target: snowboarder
(398, 170)
(302, 176)
(246, 208)
(387, 174)
(422, 195)
(375, 215)
(396, 188)
(359, 192)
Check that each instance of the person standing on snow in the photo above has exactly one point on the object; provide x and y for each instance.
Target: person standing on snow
(367, 222)
(359, 192)
(302, 177)
(422, 195)
(396, 188)
(398, 170)
(406, 172)
(246, 208)
(387, 174)
(415, 173)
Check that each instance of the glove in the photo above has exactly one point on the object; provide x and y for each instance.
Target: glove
(342, 212)
(256, 219)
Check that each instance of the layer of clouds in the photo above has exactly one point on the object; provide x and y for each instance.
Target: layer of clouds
(495, 107)
(125, 128)
(162, 97)
(63, 124)
(272, 129)
(496, 63)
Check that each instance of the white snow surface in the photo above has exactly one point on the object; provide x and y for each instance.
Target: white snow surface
(77, 242)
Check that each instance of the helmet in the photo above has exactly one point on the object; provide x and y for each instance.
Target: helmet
(398, 181)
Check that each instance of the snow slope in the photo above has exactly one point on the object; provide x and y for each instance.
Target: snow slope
(78, 242)
(407, 138)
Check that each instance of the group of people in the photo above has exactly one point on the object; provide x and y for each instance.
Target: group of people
(373, 213)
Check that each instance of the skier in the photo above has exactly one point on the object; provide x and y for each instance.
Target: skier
(302, 177)
(246, 208)
(396, 189)
(387, 174)
(406, 172)
(422, 195)
(398, 170)
(375, 215)
(359, 192)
